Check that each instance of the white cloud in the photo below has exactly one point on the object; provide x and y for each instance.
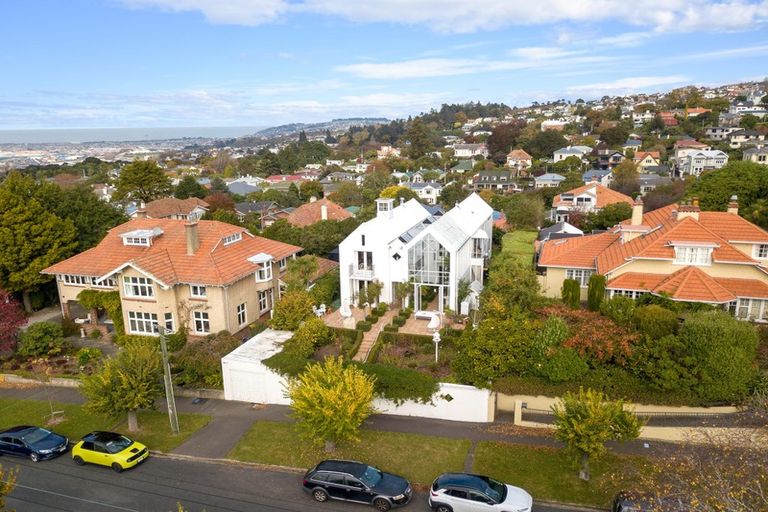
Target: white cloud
(461, 16)
(626, 85)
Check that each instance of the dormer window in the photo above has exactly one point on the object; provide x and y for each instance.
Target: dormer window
(141, 237)
(136, 240)
(230, 239)
(692, 255)
(761, 251)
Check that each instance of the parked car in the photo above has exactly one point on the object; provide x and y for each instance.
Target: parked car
(33, 442)
(109, 449)
(357, 482)
(643, 502)
(464, 492)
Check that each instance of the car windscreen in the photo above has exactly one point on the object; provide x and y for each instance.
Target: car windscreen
(34, 435)
(496, 490)
(118, 444)
(371, 476)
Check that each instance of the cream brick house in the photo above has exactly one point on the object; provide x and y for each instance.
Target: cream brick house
(717, 258)
(204, 276)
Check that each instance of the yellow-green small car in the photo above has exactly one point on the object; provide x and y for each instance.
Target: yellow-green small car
(109, 449)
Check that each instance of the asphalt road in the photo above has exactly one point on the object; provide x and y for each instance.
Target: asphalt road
(159, 484)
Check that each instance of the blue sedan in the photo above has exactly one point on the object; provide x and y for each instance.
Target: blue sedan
(33, 442)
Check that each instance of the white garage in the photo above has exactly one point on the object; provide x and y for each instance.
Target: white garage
(246, 379)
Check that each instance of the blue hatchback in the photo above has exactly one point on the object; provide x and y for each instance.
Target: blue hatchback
(33, 442)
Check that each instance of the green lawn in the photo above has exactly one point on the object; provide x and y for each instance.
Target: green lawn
(154, 427)
(548, 473)
(520, 244)
(418, 458)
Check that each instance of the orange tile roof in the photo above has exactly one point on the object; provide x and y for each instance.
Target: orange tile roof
(579, 251)
(691, 284)
(311, 213)
(603, 196)
(169, 206)
(213, 264)
(689, 143)
(640, 155)
(519, 154)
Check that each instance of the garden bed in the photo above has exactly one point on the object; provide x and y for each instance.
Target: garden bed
(416, 352)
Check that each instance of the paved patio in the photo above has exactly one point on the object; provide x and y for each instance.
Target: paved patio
(419, 326)
(334, 319)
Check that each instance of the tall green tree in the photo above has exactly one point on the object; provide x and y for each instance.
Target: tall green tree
(189, 187)
(587, 420)
(747, 180)
(299, 272)
(420, 137)
(626, 178)
(309, 189)
(452, 194)
(130, 381)
(525, 211)
(142, 180)
(91, 216)
(331, 401)
(348, 194)
(31, 238)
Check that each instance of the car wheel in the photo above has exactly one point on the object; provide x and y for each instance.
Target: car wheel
(34, 457)
(442, 508)
(381, 504)
(117, 467)
(78, 460)
(320, 495)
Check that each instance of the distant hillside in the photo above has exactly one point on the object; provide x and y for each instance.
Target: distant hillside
(336, 125)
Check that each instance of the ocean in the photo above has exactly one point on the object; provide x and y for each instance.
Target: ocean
(78, 135)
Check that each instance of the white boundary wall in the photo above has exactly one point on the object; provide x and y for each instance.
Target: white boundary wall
(246, 379)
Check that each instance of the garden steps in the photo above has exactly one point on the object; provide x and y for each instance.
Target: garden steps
(370, 337)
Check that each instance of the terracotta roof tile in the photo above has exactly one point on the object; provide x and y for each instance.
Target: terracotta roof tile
(603, 196)
(519, 154)
(311, 213)
(213, 264)
(575, 252)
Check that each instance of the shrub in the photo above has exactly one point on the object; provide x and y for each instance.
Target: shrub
(722, 351)
(293, 308)
(595, 292)
(398, 321)
(511, 285)
(400, 384)
(563, 365)
(655, 321)
(371, 318)
(326, 288)
(286, 364)
(552, 334)
(382, 308)
(42, 340)
(350, 340)
(199, 363)
(127, 339)
(363, 326)
(86, 355)
(571, 293)
(257, 326)
(69, 328)
(176, 341)
(619, 309)
(660, 362)
(310, 335)
(390, 328)
(95, 334)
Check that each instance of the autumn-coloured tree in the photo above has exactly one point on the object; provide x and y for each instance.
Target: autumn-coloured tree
(586, 420)
(7, 483)
(331, 401)
(11, 318)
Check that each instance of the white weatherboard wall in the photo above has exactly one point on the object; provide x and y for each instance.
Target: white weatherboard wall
(246, 379)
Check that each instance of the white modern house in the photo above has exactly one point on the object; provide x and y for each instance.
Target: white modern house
(408, 244)
(694, 163)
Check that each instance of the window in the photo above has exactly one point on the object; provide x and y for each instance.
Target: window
(283, 263)
(761, 251)
(362, 239)
(230, 239)
(686, 255)
(265, 272)
(141, 322)
(580, 275)
(202, 324)
(264, 301)
(76, 280)
(478, 248)
(197, 291)
(364, 260)
(751, 309)
(169, 323)
(136, 240)
(109, 282)
(138, 287)
(632, 294)
(242, 317)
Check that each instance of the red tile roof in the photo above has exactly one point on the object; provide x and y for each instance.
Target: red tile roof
(519, 154)
(603, 196)
(690, 143)
(311, 213)
(213, 264)
(169, 206)
(691, 284)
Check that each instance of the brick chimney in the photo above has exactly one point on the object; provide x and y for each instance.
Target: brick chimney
(637, 212)
(733, 205)
(193, 239)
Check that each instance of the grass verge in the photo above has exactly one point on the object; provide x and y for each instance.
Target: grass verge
(154, 429)
(519, 244)
(416, 457)
(548, 473)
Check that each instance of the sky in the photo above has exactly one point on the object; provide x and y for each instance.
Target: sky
(171, 63)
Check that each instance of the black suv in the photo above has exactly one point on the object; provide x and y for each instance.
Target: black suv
(357, 482)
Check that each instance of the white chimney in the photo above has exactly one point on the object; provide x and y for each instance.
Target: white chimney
(637, 212)
(323, 212)
(733, 206)
(312, 199)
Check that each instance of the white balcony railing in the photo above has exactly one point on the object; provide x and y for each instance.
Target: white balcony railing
(361, 271)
